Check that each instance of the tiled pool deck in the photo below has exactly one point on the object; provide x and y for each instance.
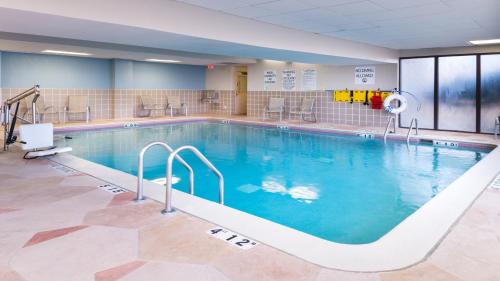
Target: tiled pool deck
(58, 225)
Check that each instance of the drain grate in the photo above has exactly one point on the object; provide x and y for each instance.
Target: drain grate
(111, 188)
(63, 169)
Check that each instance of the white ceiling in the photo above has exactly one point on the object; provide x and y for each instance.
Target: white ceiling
(397, 24)
(12, 42)
(174, 26)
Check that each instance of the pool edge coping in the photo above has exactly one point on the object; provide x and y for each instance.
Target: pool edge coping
(395, 250)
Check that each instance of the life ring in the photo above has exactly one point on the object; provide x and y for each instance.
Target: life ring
(403, 104)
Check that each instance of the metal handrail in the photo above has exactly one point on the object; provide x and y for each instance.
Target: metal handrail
(35, 89)
(168, 193)
(140, 169)
(8, 127)
(391, 119)
(413, 120)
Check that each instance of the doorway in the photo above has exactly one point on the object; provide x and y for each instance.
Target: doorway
(241, 91)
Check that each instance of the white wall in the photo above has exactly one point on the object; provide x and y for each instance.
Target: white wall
(328, 76)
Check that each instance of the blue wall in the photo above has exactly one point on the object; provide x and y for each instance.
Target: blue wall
(25, 70)
(18, 70)
(144, 75)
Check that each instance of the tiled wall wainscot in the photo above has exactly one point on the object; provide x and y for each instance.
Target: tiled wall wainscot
(325, 108)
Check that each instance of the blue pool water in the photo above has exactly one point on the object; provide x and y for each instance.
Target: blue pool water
(345, 189)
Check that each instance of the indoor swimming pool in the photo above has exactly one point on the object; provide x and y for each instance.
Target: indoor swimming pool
(342, 188)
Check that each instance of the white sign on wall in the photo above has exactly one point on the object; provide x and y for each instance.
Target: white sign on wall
(269, 78)
(289, 77)
(364, 75)
(309, 79)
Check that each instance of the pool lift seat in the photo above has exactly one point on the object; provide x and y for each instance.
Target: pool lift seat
(38, 140)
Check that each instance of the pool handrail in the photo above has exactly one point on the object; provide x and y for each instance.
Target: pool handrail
(168, 192)
(413, 120)
(393, 120)
(140, 169)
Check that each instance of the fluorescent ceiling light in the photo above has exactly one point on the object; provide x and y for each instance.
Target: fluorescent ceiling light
(164, 61)
(485, 42)
(65, 53)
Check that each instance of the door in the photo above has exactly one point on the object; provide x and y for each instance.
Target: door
(241, 94)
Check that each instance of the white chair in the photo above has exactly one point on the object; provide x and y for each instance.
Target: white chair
(77, 105)
(174, 102)
(41, 108)
(305, 109)
(148, 105)
(275, 105)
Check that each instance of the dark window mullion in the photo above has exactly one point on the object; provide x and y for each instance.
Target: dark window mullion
(478, 94)
(436, 92)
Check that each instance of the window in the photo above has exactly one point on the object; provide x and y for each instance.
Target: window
(417, 78)
(457, 93)
(490, 91)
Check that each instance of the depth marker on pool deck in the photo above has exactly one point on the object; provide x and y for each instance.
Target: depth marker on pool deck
(111, 188)
(232, 238)
(496, 183)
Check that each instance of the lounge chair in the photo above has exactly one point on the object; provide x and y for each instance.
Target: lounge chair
(41, 108)
(149, 106)
(305, 109)
(275, 105)
(174, 102)
(77, 105)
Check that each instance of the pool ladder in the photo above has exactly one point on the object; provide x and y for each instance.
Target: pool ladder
(174, 155)
(413, 124)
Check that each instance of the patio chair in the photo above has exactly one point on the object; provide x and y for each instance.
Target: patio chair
(275, 105)
(305, 109)
(174, 103)
(77, 105)
(41, 108)
(149, 106)
(210, 97)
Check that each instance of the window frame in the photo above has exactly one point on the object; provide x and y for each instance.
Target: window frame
(436, 87)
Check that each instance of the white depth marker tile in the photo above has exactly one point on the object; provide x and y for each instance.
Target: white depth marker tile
(232, 238)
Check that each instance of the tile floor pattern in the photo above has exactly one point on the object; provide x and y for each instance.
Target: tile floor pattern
(56, 225)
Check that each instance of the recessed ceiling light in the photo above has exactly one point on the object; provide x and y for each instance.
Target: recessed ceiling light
(163, 61)
(65, 53)
(485, 42)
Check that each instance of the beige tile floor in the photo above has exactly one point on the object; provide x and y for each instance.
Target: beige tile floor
(57, 225)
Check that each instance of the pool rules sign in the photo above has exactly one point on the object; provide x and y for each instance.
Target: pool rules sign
(364, 75)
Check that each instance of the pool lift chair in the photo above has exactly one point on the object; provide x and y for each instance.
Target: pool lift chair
(37, 139)
(9, 120)
(275, 105)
